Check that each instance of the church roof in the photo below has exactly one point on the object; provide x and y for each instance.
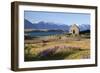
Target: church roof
(75, 26)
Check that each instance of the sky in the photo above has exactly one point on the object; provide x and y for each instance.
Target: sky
(57, 17)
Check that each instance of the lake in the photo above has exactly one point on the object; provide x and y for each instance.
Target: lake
(43, 33)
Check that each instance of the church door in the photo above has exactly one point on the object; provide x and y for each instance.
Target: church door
(73, 31)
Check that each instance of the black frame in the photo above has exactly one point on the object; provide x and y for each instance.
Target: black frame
(15, 29)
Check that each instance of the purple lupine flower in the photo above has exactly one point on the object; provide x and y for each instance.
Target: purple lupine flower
(47, 52)
(51, 51)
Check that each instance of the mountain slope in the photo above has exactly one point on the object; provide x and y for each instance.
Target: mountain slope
(28, 24)
(44, 25)
(84, 27)
(52, 26)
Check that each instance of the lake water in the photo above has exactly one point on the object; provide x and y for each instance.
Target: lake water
(43, 33)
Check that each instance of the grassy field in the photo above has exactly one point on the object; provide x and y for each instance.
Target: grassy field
(57, 48)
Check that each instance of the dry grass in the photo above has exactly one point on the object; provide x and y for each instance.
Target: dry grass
(83, 44)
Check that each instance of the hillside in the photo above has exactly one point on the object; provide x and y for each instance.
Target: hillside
(51, 26)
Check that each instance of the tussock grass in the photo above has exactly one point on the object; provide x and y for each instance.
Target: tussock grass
(53, 49)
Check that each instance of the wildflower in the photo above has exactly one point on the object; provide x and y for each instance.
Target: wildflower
(47, 52)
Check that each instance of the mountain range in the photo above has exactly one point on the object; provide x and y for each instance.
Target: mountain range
(52, 26)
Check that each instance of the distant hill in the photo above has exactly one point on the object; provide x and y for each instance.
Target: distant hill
(85, 31)
(52, 26)
(45, 25)
(28, 25)
(84, 27)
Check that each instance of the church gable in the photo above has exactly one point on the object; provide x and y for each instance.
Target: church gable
(74, 30)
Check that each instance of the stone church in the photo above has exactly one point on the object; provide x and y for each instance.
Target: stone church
(74, 30)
